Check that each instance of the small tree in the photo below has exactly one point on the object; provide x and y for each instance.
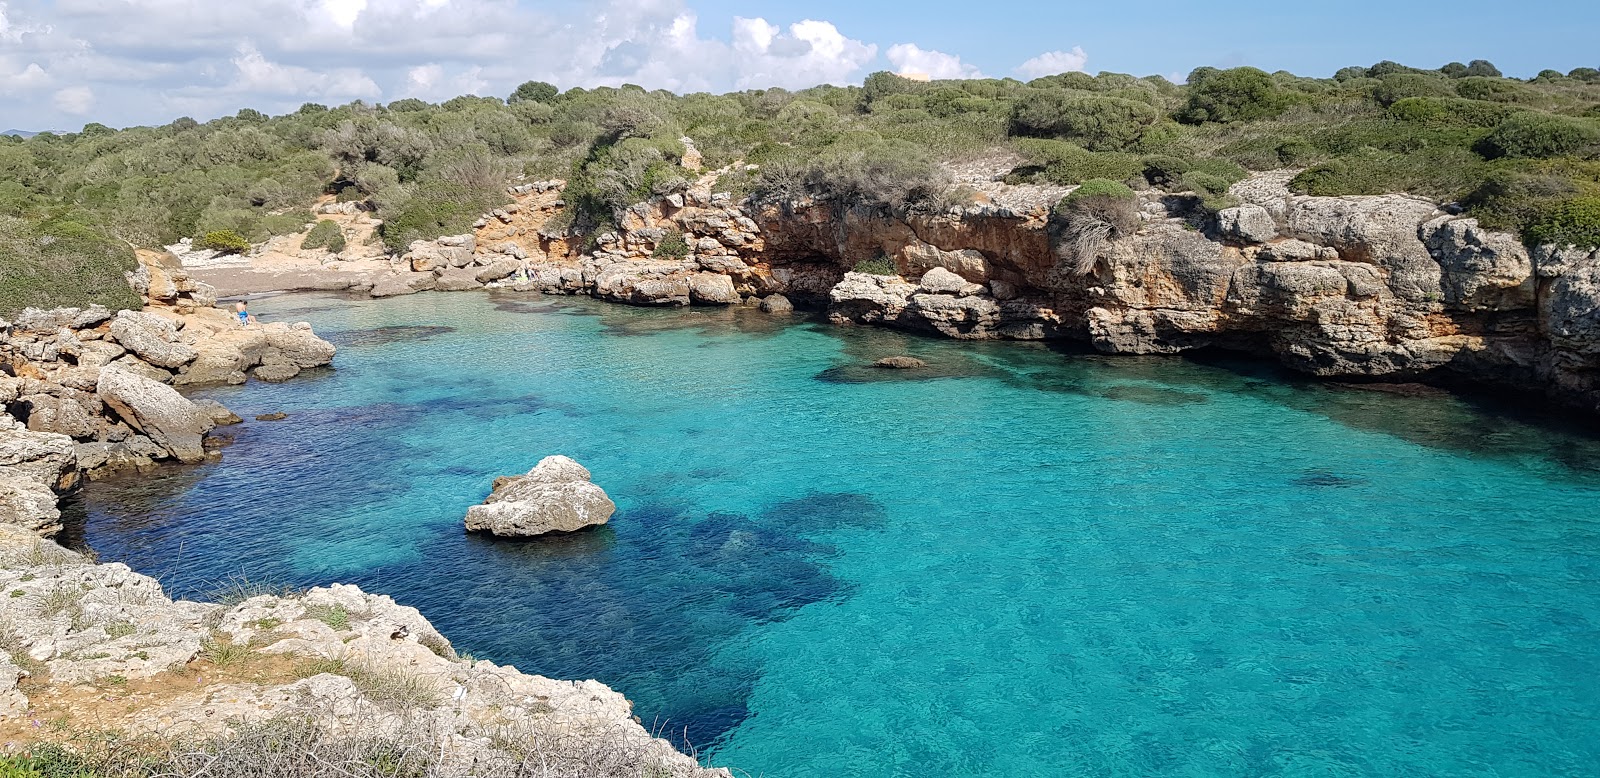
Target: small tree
(224, 241)
(325, 235)
(1240, 94)
(1482, 67)
(534, 92)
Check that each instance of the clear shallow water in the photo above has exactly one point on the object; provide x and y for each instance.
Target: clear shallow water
(1034, 563)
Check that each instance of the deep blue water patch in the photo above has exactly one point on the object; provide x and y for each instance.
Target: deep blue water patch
(1043, 563)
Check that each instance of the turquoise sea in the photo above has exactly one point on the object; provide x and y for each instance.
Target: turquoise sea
(1022, 561)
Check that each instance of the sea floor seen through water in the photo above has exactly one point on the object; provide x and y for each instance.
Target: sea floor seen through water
(1018, 561)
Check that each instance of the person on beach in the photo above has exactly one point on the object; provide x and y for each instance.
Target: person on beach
(245, 318)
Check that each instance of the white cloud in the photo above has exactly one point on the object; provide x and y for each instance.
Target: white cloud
(147, 61)
(74, 100)
(1052, 62)
(909, 58)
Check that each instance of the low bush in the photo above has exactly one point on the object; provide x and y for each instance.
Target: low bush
(1570, 222)
(1086, 219)
(1451, 110)
(1062, 163)
(672, 246)
(1541, 136)
(1399, 86)
(327, 234)
(62, 262)
(224, 241)
(1094, 122)
(880, 265)
(1239, 94)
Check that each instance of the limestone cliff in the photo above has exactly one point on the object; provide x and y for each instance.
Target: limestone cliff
(1383, 287)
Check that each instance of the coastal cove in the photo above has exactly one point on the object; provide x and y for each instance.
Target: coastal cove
(1016, 560)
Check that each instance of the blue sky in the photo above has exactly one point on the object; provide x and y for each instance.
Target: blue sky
(122, 62)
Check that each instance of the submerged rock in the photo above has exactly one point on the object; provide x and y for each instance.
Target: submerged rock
(555, 496)
(777, 303)
(900, 363)
(277, 416)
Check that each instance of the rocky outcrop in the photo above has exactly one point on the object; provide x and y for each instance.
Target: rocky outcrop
(169, 419)
(152, 338)
(555, 496)
(69, 623)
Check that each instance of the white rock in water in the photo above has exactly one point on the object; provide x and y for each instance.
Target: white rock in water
(555, 496)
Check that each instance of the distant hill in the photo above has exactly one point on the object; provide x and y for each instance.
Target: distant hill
(19, 133)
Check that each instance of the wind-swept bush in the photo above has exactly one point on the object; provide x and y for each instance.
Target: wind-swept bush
(1541, 136)
(1570, 222)
(1094, 122)
(1239, 94)
(62, 262)
(1091, 215)
(327, 234)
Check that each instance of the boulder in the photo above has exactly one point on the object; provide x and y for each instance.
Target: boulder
(275, 372)
(712, 289)
(555, 496)
(219, 413)
(142, 368)
(458, 279)
(158, 411)
(60, 415)
(776, 303)
(97, 353)
(1247, 224)
(1483, 269)
(496, 270)
(26, 503)
(153, 338)
(298, 344)
(217, 363)
(396, 284)
(940, 281)
(44, 457)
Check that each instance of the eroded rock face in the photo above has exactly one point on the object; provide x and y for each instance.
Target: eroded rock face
(30, 505)
(555, 496)
(153, 338)
(119, 624)
(42, 457)
(158, 411)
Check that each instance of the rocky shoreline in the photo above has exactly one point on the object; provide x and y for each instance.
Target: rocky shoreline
(99, 648)
(1387, 288)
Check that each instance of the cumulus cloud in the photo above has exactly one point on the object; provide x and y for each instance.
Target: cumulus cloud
(909, 58)
(1052, 62)
(74, 100)
(147, 61)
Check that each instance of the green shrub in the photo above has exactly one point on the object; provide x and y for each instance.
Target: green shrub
(62, 262)
(534, 91)
(1399, 86)
(224, 241)
(327, 234)
(1574, 221)
(1164, 171)
(1239, 94)
(1099, 187)
(1094, 122)
(880, 265)
(433, 210)
(1449, 110)
(672, 246)
(1541, 136)
(1205, 184)
(1065, 164)
(1482, 67)
(1493, 89)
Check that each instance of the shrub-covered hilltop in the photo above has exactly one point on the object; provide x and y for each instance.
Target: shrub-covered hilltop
(1518, 154)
